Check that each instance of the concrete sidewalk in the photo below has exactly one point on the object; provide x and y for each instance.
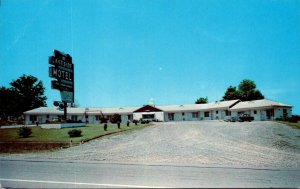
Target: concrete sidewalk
(15, 126)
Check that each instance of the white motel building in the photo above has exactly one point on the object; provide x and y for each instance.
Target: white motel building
(261, 110)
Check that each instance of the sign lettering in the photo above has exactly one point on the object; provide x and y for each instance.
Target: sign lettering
(60, 74)
(58, 62)
(63, 73)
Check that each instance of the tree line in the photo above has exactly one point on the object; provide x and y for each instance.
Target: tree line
(245, 91)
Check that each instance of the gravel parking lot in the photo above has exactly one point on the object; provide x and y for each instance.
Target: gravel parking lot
(206, 143)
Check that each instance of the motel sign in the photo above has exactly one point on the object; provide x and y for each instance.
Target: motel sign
(62, 70)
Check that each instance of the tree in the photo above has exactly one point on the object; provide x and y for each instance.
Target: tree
(246, 91)
(231, 93)
(115, 118)
(201, 100)
(8, 106)
(24, 94)
(103, 119)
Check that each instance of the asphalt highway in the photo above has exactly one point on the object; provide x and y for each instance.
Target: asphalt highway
(17, 173)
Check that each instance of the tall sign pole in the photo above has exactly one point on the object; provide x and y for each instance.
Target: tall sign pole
(62, 70)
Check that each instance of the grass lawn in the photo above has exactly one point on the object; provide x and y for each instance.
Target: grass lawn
(295, 125)
(61, 135)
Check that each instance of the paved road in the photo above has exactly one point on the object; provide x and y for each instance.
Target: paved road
(73, 174)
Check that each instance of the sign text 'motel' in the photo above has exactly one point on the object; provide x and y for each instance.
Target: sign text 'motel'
(61, 74)
(63, 71)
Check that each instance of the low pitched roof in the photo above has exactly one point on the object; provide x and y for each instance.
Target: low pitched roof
(130, 110)
(120, 110)
(54, 110)
(89, 111)
(199, 107)
(258, 104)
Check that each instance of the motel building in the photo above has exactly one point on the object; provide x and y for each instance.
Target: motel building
(261, 110)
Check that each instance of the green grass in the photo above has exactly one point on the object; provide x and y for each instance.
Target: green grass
(295, 125)
(61, 135)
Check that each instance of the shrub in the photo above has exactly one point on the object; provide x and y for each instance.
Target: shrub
(292, 119)
(20, 121)
(105, 126)
(116, 118)
(25, 132)
(2, 122)
(296, 117)
(75, 133)
(144, 121)
(69, 121)
(135, 121)
(103, 119)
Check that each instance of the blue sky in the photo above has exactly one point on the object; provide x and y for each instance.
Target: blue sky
(126, 52)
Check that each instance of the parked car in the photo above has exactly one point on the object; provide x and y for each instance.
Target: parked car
(232, 119)
(246, 117)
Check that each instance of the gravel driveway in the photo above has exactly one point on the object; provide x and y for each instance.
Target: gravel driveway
(205, 143)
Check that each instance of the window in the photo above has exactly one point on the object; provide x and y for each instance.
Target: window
(32, 118)
(171, 116)
(206, 114)
(74, 117)
(217, 112)
(130, 117)
(182, 113)
(97, 117)
(148, 116)
(255, 112)
(47, 116)
(227, 113)
(195, 114)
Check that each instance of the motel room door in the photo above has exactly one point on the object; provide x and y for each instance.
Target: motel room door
(270, 114)
(171, 116)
